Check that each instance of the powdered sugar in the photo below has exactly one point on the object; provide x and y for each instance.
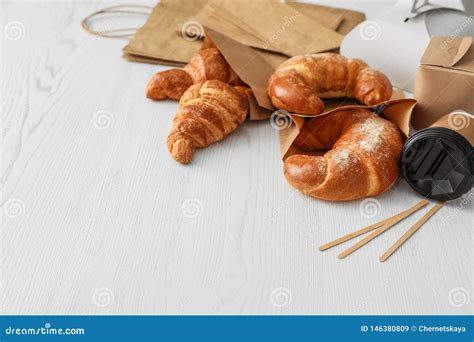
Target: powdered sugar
(344, 158)
(341, 157)
(298, 171)
(372, 129)
(312, 166)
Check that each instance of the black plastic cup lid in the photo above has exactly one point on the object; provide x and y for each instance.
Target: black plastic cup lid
(438, 163)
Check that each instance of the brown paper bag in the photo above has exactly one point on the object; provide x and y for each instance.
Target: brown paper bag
(159, 42)
(209, 16)
(350, 19)
(281, 27)
(397, 110)
(310, 24)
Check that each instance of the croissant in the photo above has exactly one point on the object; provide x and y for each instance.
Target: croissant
(362, 160)
(298, 84)
(207, 113)
(169, 84)
(206, 64)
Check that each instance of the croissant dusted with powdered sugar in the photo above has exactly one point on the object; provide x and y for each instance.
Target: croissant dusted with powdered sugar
(207, 113)
(206, 64)
(363, 160)
(298, 84)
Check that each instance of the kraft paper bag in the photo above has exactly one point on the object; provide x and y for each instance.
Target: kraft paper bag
(290, 28)
(397, 109)
(160, 40)
(157, 40)
(325, 15)
(281, 27)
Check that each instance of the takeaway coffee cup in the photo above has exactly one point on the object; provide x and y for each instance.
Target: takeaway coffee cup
(438, 161)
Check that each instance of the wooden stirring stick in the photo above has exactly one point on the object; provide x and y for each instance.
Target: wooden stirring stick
(359, 232)
(411, 231)
(390, 223)
(352, 235)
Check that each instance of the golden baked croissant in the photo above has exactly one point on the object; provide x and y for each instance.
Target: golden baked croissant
(169, 84)
(207, 113)
(363, 160)
(206, 64)
(298, 84)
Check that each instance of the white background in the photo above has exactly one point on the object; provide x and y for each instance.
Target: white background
(94, 221)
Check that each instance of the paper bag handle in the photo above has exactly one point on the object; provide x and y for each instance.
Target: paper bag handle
(116, 33)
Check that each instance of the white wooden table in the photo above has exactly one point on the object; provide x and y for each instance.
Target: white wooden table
(98, 219)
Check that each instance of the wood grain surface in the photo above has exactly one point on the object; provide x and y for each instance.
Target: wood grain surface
(98, 219)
